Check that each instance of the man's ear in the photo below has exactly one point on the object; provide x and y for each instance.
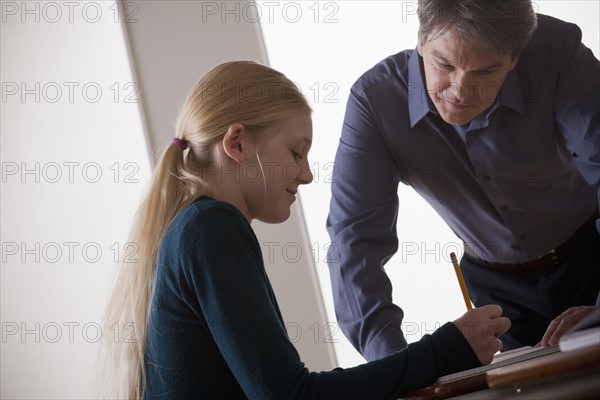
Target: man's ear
(234, 142)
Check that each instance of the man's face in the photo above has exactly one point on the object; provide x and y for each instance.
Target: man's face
(461, 81)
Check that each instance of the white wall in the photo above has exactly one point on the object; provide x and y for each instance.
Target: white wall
(325, 46)
(89, 163)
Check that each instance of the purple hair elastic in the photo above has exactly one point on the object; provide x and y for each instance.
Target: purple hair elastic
(181, 143)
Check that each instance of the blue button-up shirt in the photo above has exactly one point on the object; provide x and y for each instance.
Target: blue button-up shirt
(514, 183)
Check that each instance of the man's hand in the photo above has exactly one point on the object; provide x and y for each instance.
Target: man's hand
(565, 321)
(481, 327)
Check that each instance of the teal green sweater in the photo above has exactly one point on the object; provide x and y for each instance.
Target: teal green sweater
(215, 330)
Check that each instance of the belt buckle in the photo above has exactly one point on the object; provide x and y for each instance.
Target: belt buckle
(554, 256)
(550, 258)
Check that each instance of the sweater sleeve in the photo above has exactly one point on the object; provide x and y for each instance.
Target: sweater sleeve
(224, 270)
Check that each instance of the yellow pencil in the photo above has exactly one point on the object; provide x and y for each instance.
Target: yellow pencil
(461, 281)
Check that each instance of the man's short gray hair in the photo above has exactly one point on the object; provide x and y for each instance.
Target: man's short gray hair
(501, 26)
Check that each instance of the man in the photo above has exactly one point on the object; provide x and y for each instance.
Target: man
(495, 120)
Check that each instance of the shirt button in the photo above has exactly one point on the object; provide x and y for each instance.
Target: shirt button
(487, 178)
(515, 247)
(504, 208)
(522, 236)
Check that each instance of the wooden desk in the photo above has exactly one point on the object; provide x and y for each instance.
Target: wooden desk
(563, 375)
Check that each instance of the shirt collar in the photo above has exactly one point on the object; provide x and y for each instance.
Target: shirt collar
(419, 103)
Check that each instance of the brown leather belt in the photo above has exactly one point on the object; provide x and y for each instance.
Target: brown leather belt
(552, 258)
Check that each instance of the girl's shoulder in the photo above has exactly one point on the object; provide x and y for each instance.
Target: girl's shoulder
(207, 218)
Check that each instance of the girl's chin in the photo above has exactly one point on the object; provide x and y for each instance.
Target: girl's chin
(275, 218)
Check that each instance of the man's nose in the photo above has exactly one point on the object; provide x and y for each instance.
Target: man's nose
(461, 90)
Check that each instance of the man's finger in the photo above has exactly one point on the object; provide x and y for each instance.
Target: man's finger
(550, 331)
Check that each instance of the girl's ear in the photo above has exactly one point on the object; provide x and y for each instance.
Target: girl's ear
(234, 142)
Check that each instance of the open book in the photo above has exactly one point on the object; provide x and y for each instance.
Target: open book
(501, 360)
(585, 333)
(524, 363)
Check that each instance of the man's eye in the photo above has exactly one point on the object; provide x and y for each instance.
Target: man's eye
(444, 66)
(296, 155)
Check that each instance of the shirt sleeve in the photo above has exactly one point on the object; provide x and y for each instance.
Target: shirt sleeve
(577, 105)
(226, 273)
(362, 228)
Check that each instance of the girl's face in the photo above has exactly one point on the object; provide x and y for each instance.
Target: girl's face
(280, 167)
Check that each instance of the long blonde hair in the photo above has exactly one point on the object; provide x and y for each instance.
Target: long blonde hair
(234, 92)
